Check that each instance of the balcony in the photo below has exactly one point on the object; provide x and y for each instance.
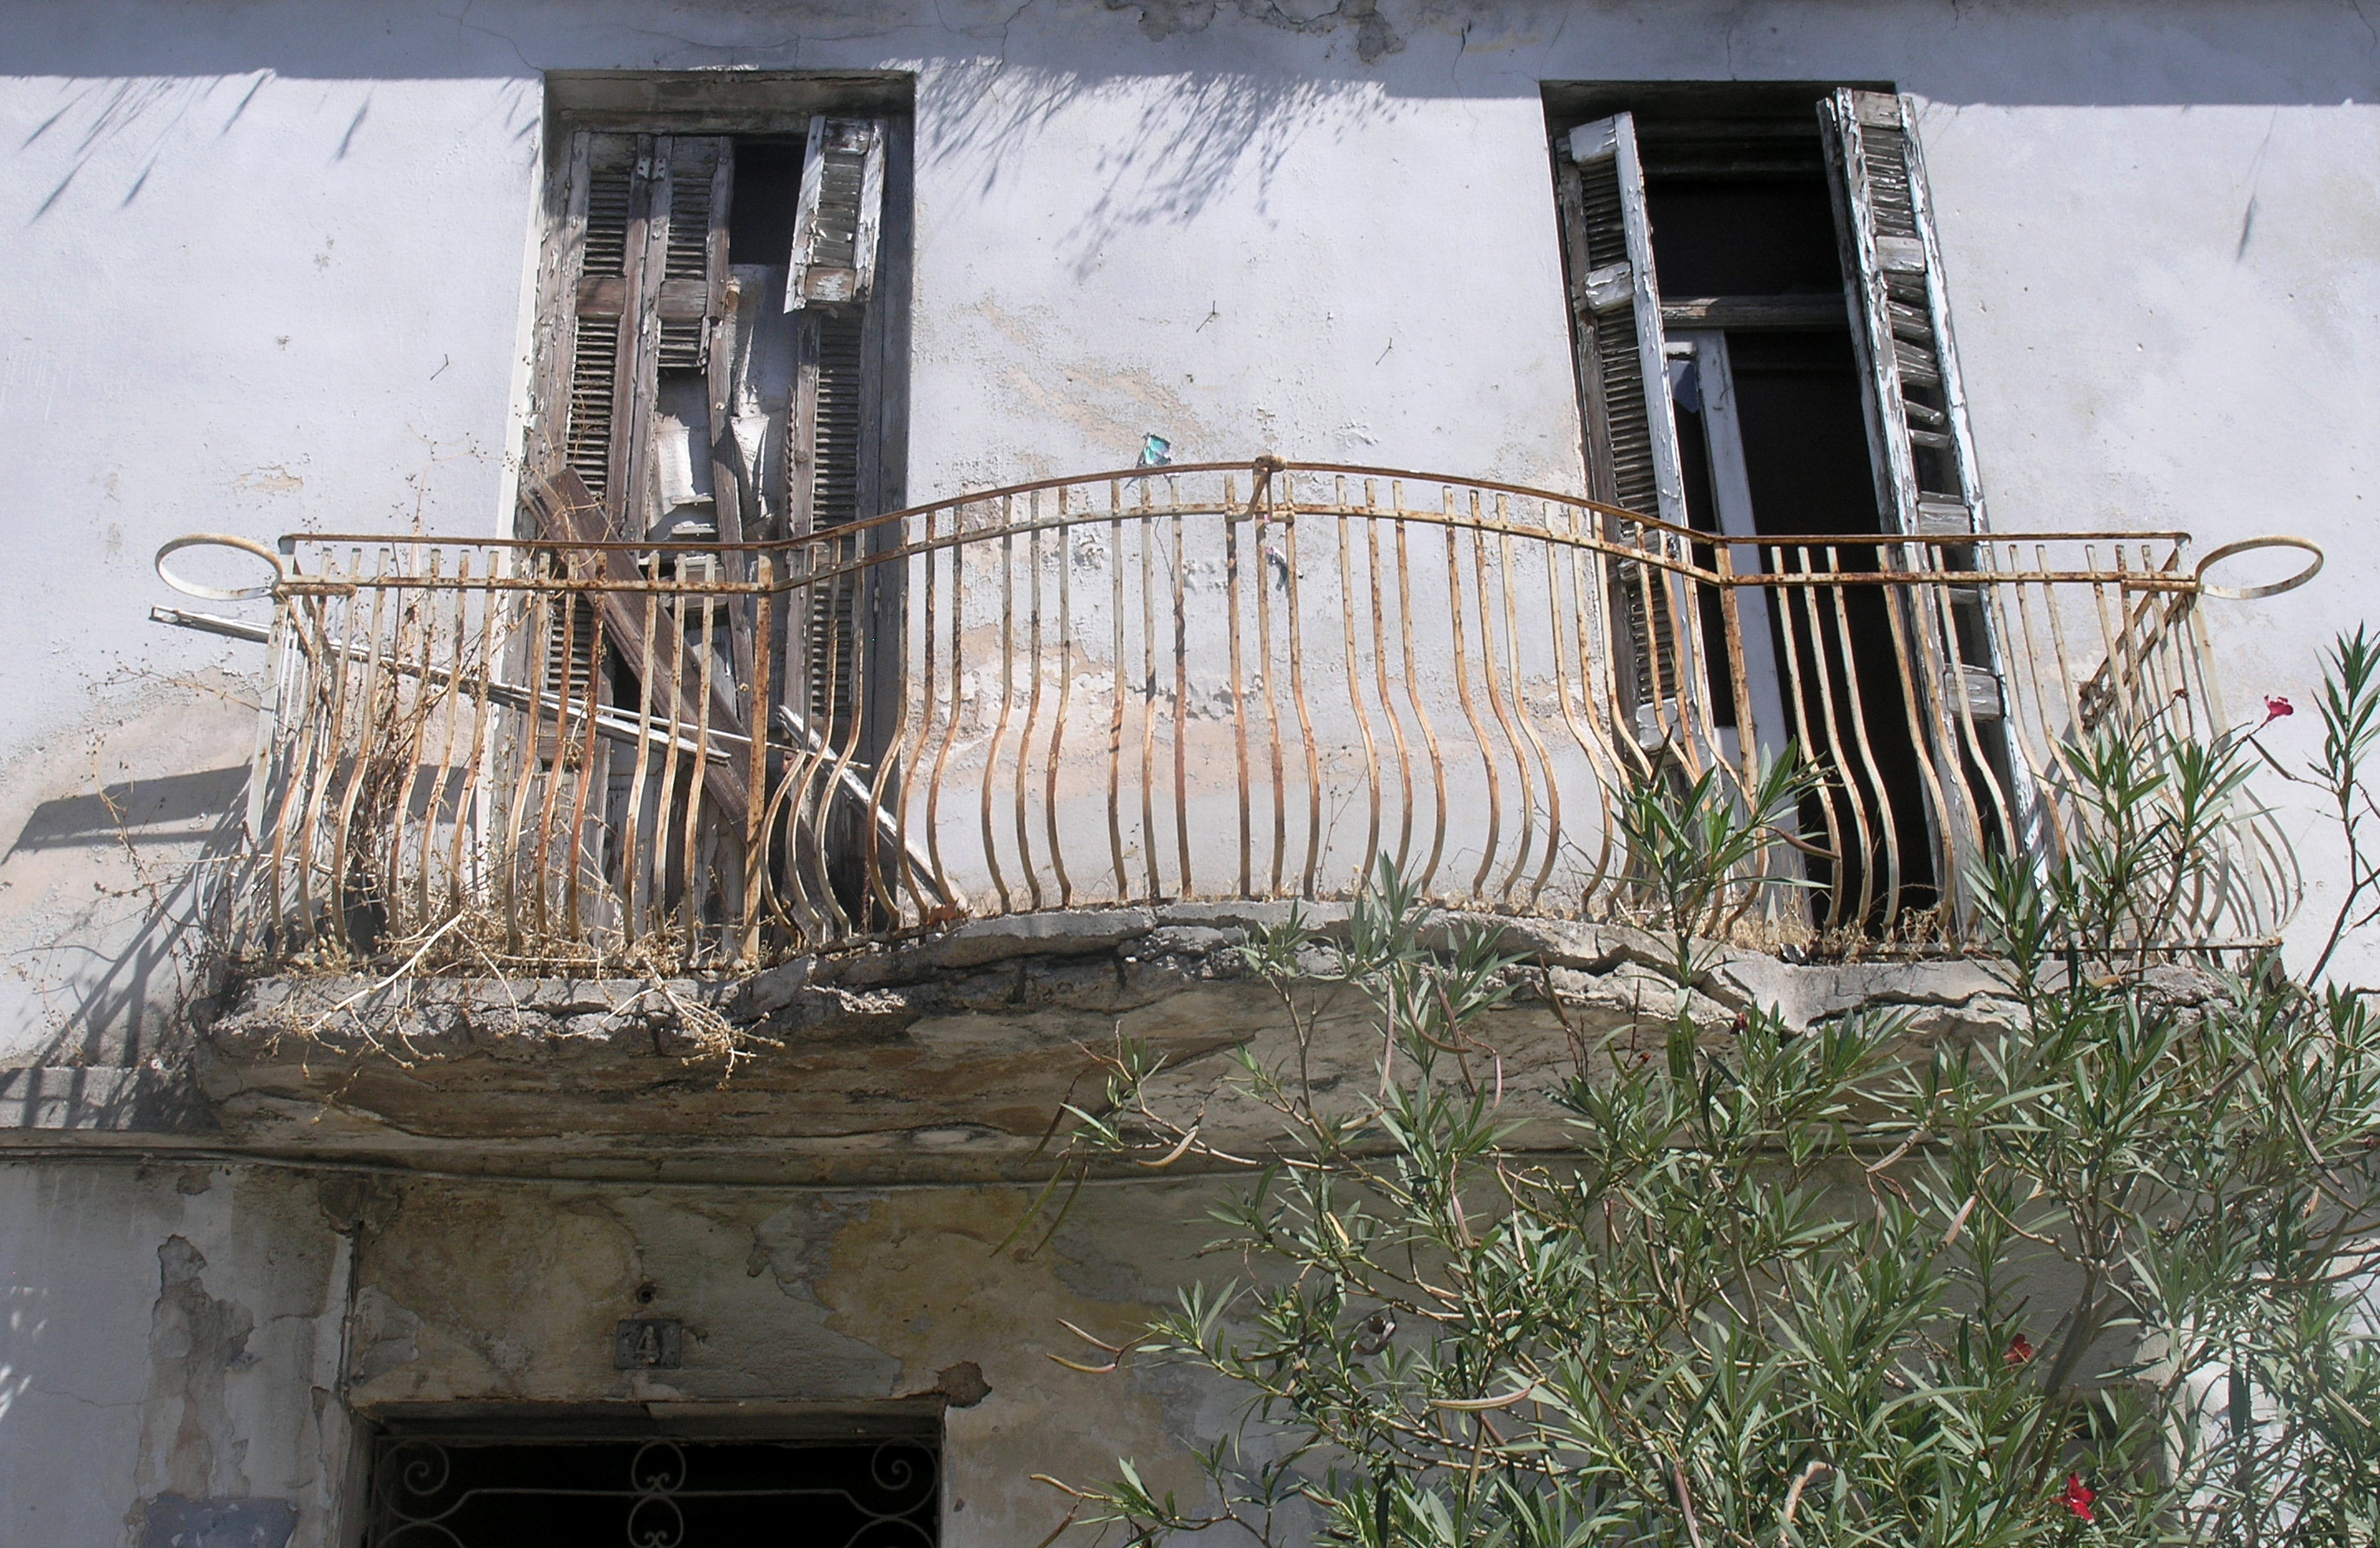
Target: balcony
(1220, 682)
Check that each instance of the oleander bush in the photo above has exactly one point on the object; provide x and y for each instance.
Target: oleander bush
(2096, 1271)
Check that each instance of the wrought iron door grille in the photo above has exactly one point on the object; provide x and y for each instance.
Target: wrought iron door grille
(650, 1494)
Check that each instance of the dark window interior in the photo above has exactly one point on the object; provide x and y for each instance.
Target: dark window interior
(474, 1493)
(1739, 236)
(1804, 429)
(768, 190)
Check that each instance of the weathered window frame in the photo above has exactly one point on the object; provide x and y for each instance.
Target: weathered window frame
(1921, 449)
(852, 329)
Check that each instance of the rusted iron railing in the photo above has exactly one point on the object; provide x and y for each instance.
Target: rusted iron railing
(1238, 682)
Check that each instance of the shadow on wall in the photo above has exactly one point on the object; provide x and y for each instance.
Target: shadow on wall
(143, 866)
(132, 127)
(1214, 132)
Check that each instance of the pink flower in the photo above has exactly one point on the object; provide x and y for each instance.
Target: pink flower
(2276, 707)
(2078, 1496)
(2019, 1350)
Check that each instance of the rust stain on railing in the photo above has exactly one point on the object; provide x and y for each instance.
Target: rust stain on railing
(1167, 684)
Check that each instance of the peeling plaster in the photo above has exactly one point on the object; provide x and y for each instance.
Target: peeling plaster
(189, 1445)
(919, 1278)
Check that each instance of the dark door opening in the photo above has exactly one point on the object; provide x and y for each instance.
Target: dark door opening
(559, 1493)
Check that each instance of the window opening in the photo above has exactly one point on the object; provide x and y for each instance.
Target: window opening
(715, 351)
(1783, 267)
(485, 1492)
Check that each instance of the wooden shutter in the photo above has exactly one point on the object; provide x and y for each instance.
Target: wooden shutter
(842, 212)
(1924, 456)
(602, 241)
(691, 295)
(1632, 430)
(833, 370)
(830, 282)
(640, 271)
(642, 256)
(1917, 412)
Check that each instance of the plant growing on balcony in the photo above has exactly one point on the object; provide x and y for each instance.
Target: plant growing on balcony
(2095, 1272)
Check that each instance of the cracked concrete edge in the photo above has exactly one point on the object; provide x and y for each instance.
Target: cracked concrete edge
(1104, 961)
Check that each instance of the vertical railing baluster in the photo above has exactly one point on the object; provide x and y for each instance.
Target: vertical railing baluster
(1182, 708)
(590, 774)
(1413, 692)
(1380, 682)
(1117, 690)
(1007, 667)
(1493, 685)
(1310, 751)
(1146, 525)
(1239, 688)
(1262, 579)
(1885, 840)
(1567, 630)
(1914, 661)
(1789, 599)
(637, 878)
(1514, 673)
(1032, 665)
(1457, 628)
(1354, 676)
(1056, 761)
(762, 567)
(955, 678)
(482, 666)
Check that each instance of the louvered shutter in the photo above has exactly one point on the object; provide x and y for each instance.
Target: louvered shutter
(1917, 413)
(641, 258)
(1922, 452)
(644, 252)
(602, 255)
(1923, 458)
(692, 292)
(842, 212)
(1632, 431)
(830, 282)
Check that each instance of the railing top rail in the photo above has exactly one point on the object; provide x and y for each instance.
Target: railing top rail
(1259, 468)
(1670, 551)
(1262, 468)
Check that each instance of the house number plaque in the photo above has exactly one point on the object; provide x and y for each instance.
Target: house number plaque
(648, 1344)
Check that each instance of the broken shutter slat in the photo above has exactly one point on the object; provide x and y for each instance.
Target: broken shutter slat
(648, 266)
(1892, 260)
(838, 223)
(1631, 434)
